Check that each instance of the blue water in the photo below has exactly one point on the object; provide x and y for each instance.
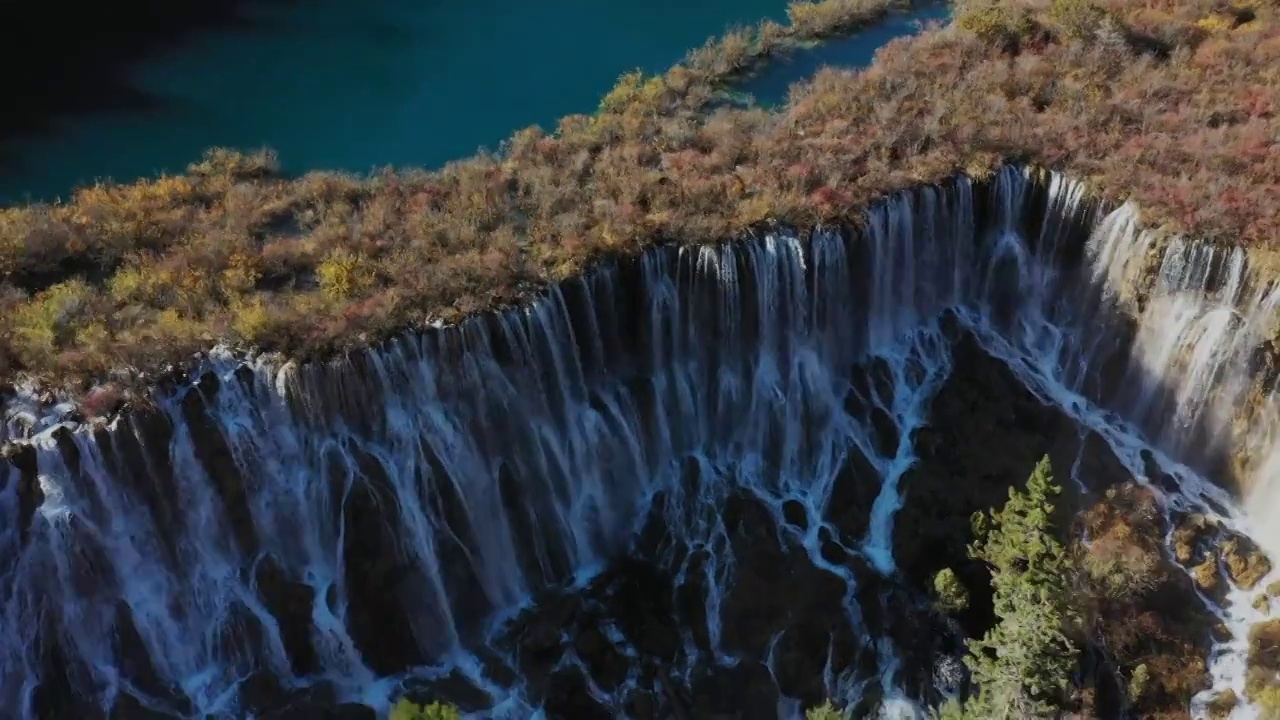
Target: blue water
(771, 85)
(345, 85)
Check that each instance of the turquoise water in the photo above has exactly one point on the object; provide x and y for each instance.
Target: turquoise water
(353, 86)
(770, 86)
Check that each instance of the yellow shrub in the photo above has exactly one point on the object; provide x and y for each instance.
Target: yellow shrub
(171, 325)
(135, 198)
(1216, 23)
(241, 274)
(49, 319)
(994, 22)
(754, 209)
(235, 165)
(15, 228)
(1076, 18)
(111, 220)
(345, 274)
(93, 336)
(250, 320)
(405, 710)
(126, 285)
(634, 92)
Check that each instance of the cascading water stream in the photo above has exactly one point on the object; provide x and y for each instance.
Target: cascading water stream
(705, 411)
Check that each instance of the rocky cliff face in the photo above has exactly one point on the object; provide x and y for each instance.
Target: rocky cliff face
(706, 482)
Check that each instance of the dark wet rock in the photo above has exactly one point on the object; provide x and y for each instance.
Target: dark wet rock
(801, 653)
(853, 492)
(776, 603)
(55, 697)
(350, 711)
(1167, 483)
(454, 545)
(1092, 460)
(128, 707)
(261, 692)
(872, 388)
(606, 664)
(746, 691)
(884, 432)
(645, 613)
(214, 455)
(692, 594)
(985, 434)
(655, 535)
(641, 704)
(536, 531)
(135, 663)
(569, 696)
(317, 702)
(22, 457)
(378, 576)
(290, 602)
(793, 511)
(771, 583)
(537, 637)
(240, 639)
(494, 667)
(454, 689)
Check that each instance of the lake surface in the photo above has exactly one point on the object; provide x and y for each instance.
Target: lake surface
(348, 85)
(770, 86)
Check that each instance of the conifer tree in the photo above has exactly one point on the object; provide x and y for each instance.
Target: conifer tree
(1023, 665)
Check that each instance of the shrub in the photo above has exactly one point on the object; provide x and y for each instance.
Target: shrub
(1077, 18)
(406, 710)
(234, 165)
(1139, 681)
(817, 18)
(344, 274)
(949, 594)
(1117, 568)
(241, 274)
(997, 22)
(634, 92)
(250, 319)
(825, 711)
(50, 320)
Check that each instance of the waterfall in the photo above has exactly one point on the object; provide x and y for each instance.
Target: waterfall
(393, 514)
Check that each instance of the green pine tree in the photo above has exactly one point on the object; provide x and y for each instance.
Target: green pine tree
(1023, 665)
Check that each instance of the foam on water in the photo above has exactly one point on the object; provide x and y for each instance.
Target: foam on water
(438, 484)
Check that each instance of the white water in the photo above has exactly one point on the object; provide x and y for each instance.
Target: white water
(523, 449)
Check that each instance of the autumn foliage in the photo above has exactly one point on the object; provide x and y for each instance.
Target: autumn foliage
(1172, 104)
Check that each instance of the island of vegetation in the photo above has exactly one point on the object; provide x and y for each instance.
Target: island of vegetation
(1170, 104)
